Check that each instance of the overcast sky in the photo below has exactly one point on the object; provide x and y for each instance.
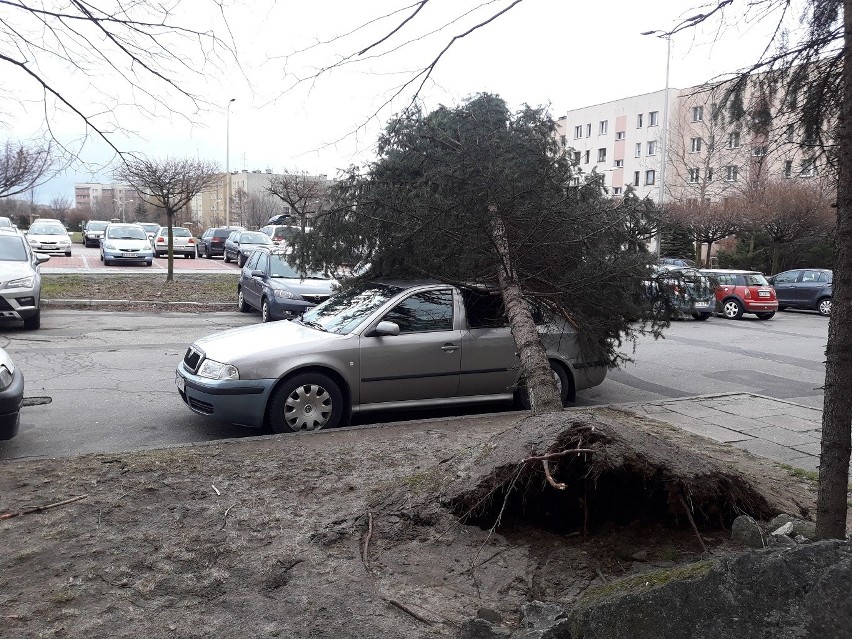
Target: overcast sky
(561, 53)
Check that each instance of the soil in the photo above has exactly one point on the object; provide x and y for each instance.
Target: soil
(319, 535)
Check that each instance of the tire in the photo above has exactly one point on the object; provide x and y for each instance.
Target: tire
(265, 313)
(564, 383)
(102, 257)
(34, 321)
(732, 309)
(107, 262)
(824, 306)
(191, 256)
(241, 261)
(67, 253)
(765, 316)
(226, 257)
(149, 262)
(701, 317)
(306, 402)
(242, 307)
(207, 252)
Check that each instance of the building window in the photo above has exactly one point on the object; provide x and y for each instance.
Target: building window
(578, 132)
(638, 152)
(616, 190)
(601, 155)
(758, 151)
(620, 135)
(808, 168)
(603, 127)
(697, 113)
(652, 118)
(636, 176)
(694, 175)
(576, 181)
(577, 156)
(652, 147)
(589, 130)
(619, 164)
(788, 168)
(650, 177)
(734, 140)
(586, 160)
(639, 120)
(708, 174)
(731, 173)
(696, 145)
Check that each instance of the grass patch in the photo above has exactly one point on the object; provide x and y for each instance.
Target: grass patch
(210, 288)
(646, 581)
(801, 473)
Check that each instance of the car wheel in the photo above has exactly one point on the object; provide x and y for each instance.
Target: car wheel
(102, 257)
(207, 252)
(265, 313)
(701, 316)
(226, 257)
(33, 322)
(306, 402)
(242, 307)
(107, 262)
(149, 262)
(824, 306)
(241, 260)
(731, 309)
(67, 253)
(782, 308)
(191, 256)
(765, 316)
(564, 384)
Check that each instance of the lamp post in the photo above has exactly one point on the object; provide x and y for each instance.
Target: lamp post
(227, 162)
(664, 146)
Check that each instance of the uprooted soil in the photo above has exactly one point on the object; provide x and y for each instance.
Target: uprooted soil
(369, 532)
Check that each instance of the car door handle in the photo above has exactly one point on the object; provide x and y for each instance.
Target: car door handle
(449, 348)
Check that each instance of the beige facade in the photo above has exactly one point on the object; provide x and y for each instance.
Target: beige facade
(106, 201)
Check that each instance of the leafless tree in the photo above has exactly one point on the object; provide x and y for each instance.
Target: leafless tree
(24, 167)
(306, 195)
(706, 221)
(60, 205)
(169, 185)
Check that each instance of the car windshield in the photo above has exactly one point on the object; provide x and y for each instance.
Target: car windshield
(12, 249)
(254, 238)
(177, 231)
(755, 279)
(5, 223)
(342, 312)
(285, 232)
(96, 226)
(48, 229)
(150, 227)
(126, 233)
(279, 267)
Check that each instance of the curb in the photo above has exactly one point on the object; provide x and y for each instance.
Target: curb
(92, 303)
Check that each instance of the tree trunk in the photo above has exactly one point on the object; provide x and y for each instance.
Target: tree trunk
(540, 384)
(170, 275)
(707, 259)
(776, 258)
(837, 406)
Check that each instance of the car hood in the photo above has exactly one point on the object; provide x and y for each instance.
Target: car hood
(307, 286)
(47, 238)
(259, 341)
(139, 245)
(14, 270)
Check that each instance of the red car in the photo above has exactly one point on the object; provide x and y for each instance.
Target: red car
(739, 292)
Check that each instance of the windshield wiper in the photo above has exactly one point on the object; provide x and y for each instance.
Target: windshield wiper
(315, 325)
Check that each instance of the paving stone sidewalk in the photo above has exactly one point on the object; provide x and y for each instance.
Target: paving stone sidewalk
(780, 430)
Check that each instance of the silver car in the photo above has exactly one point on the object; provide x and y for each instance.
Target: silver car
(126, 243)
(49, 236)
(375, 347)
(183, 243)
(20, 280)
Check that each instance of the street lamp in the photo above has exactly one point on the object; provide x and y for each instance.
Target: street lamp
(664, 146)
(227, 161)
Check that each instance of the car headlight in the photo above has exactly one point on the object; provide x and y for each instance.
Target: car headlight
(5, 377)
(24, 282)
(212, 369)
(284, 294)
(109, 246)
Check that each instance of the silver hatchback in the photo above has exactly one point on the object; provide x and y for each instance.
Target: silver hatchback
(20, 280)
(376, 347)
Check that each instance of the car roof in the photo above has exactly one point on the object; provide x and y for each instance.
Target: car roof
(729, 271)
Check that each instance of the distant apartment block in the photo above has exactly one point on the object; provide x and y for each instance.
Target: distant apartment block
(105, 201)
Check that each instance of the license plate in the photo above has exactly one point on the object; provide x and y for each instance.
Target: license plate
(702, 304)
(129, 255)
(180, 382)
(763, 293)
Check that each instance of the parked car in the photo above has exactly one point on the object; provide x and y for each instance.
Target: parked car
(679, 262)
(151, 229)
(688, 292)
(282, 233)
(126, 243)
(269, 284)
(20, 277)
(377, 346)
(241, 244)
(93, 232)
(212, 241)
(804, 288)
(6, 224)
(182, 242)
(739, 292)
(281, 218)
(49, 236)
(11, 396)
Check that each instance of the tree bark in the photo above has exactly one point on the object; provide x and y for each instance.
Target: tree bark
(776, 257)
(170, 253)
(540, 384)
(837, 407)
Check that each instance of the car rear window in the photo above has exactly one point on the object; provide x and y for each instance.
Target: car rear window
(754, 279)
(222, 232)
(179, 231)
(12, 249)
(96, 226)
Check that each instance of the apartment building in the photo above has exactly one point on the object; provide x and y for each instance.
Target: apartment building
(105, 201)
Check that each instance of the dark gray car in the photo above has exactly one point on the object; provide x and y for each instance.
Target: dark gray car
(808, 288)
(379, 346)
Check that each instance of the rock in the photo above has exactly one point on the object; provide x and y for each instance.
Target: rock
(642, 555)
(786, 529)
(804, 528)
(801, 539)
(482, 629)
(779, 520)
(538, 615)
(489, 615)
(745, 531)
(782, 540)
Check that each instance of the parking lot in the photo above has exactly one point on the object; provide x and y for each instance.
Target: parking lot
(88, 259)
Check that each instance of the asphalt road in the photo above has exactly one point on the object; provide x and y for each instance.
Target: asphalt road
(109, 376)
(88, 260)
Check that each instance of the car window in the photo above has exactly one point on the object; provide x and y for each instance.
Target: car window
(251, 264)
(48, 229)
(787, 277)
(344, 311)
(483, 310)
(179, 231)
(754, 279)
(96, 226)
(126, 233)
(263, 262)
(12, 249)
(222, 233)
(813, 276)
(424, 312)
(253, 237)
(280, 267)
(5, 222)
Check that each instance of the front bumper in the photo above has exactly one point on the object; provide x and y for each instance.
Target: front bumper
(288, 308)
(128, 256)
(11, 399)
(42, 247)
(19, 303)
(237, 401)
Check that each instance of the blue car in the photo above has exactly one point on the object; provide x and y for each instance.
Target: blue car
(269, 284)
(11, 396)
(808, 288)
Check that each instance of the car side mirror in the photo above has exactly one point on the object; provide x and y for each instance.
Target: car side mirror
(41, 257)
(385, 329)
(258, 274)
